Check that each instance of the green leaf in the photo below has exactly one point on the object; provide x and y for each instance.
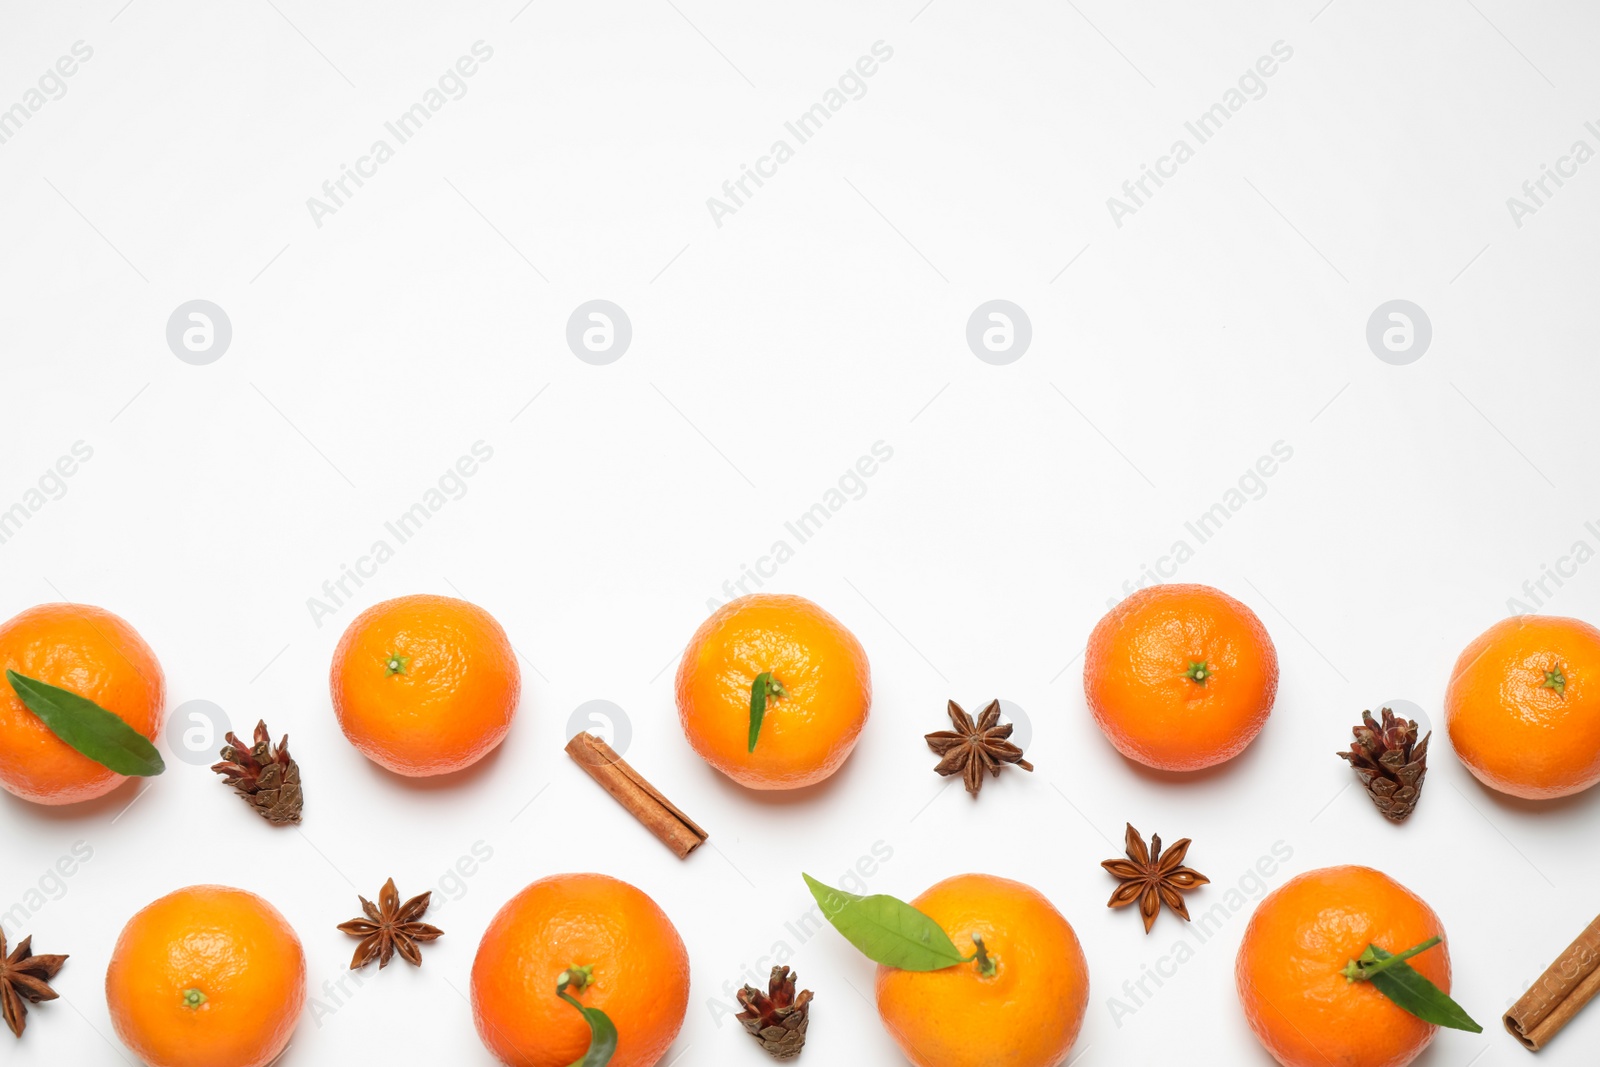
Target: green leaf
(602, 1033)
(886, 930)
(1401, 983)
(89, 728)
(758, 704)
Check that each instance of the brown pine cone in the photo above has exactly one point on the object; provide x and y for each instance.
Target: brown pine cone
(1390, 762)
(777, 1018)
(264, 775)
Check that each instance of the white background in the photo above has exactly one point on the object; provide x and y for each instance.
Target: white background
(768, 354)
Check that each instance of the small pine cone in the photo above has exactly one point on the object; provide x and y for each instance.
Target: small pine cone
(1390, 762)
(777, 1018)
(265, 776)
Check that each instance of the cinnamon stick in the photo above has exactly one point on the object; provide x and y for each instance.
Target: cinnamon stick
(642, 800)
(1560, 993)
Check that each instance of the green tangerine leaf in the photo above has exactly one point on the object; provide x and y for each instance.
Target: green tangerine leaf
(602, 1033)
(887, 930)
(1412, 992)
(759, 689)
(89, 728)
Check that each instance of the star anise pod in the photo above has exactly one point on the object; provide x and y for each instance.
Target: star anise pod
(265, 776)
(1153, 878)
(777, 1018)
(974, 747)
(24, 977)
(392, 929)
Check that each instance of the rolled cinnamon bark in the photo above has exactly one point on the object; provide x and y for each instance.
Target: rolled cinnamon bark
(1560, 993)
(644, 801)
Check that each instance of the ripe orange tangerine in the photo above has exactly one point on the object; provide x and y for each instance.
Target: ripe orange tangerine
(818, 702)
(1301, 937)
(207, 976)
(631, 959)
(425, 684)
(1180, 677)
(94, 654)
(1027, 1013)
(1523, 706)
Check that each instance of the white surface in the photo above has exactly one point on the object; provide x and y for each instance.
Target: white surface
(1225, 316)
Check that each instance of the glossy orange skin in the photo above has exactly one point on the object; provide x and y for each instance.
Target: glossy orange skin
(1512, 731)
(451, 703)
(1135, 682)
(94, 654)
(1027, 1015)
(807, 734)
(1301, 936)
(640, 977)
(232, 946)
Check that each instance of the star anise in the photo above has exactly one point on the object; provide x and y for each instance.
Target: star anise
(24, 977)
(393, 929)
(1153, 878)
(972, 748)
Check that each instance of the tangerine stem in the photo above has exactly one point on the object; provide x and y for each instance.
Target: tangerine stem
(986, 964)
(1198, 672)
(1359, 971)
(193, 998)
(577, 976)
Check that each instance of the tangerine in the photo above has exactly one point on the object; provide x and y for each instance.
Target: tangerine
(625, 952)
(94, 654)
(1027, 1013)
(1180, 677)
(819, 697)
(1301, 937)
(1523, 709)
(425, 684)
(207, 976)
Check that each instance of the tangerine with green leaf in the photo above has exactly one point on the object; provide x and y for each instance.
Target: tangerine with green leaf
(976, 971)
(93, 654)
(1293, 964)
(572, 959)
(773, 691)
